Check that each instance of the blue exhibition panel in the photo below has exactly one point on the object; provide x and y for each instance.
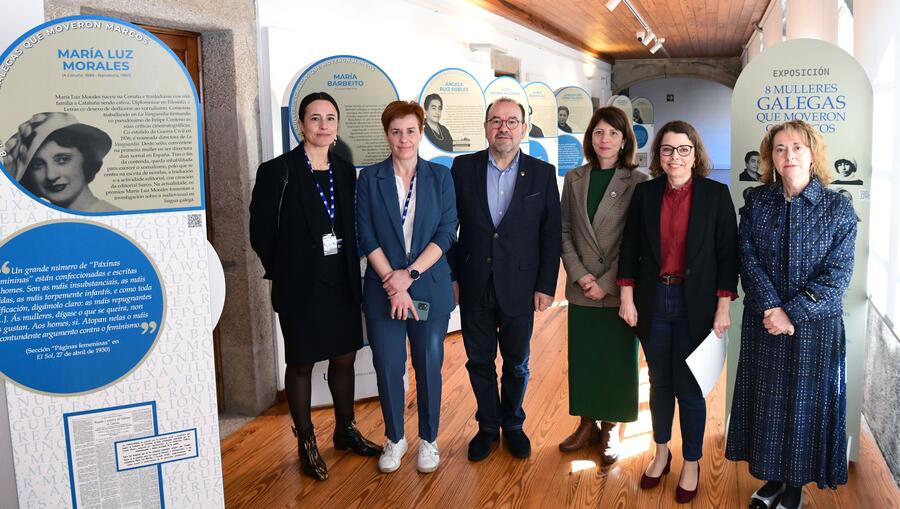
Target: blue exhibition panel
(81, 306)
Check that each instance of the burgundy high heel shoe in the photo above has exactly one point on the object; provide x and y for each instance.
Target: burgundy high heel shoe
(683, 496)
(648, 482)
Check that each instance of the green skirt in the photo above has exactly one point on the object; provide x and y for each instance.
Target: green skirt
(603, 365)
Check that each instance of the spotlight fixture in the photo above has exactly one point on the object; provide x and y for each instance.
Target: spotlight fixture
(645, 34)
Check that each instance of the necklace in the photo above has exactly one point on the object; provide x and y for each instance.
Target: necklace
(437, 134)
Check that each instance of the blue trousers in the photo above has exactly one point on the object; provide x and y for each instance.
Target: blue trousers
(388, 341)
(666, 349)
(485, 327)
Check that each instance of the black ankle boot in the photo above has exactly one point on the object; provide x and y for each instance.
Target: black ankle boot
(346, 436)
(311, 462)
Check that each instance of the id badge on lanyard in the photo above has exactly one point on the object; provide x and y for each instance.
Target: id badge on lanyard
(330, 244)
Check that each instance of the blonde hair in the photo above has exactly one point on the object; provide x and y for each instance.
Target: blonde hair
(818, 166)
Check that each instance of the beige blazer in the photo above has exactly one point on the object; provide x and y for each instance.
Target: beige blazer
(591, 245)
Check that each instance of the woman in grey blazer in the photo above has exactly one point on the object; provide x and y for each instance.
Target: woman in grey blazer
(603, 350)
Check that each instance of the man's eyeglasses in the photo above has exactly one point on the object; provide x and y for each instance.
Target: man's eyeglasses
(512, 123)
(683, 150)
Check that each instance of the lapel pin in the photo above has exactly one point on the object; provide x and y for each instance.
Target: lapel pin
(613, 194)
(522, 173)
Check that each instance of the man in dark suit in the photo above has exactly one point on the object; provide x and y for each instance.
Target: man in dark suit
(506, 264)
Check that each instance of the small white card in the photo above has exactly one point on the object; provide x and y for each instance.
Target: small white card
(329, 244)
(707, 360)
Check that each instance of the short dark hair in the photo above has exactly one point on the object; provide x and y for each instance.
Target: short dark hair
(848, 162)
(701, 167)
(432, 97)
(69, 139)
(620, 122)
(316, 96)
(398, 109)
(563, 108)
(504, 100)
(750, 154)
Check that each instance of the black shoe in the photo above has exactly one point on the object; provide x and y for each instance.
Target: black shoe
(346, 436)
(517, 442)
(311, 462)
(766, 497)
(482, 444)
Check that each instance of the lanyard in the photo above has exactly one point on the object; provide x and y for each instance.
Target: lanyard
(329, 204)
(412, 182)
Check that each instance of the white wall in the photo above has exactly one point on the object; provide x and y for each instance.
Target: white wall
(813, 19)
(876, 46)
(704, 104)
(410, 40)
(18, 17)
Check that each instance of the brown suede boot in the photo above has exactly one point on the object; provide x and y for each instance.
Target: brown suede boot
(608, 442)
(586, 432)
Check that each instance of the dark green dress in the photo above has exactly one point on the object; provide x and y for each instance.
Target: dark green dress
(603, 350)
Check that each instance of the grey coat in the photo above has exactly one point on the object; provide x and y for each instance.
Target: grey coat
(591, 246)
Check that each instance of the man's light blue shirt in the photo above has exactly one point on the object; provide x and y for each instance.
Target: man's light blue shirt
(500, 186)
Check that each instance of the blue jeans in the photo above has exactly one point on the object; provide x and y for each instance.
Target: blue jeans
(666, 349)
(426, 341)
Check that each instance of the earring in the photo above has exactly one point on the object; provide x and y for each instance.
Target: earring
(334, 143)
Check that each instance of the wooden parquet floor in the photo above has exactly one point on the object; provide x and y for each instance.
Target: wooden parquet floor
(261, 469)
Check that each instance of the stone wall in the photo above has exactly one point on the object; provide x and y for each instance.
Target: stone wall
(881, 396)
(724, 70)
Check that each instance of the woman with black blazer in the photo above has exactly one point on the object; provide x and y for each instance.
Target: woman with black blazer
(678, 269)
(302, 227)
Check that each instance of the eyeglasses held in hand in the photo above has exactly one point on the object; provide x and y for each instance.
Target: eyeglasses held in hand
(512, 123)
(683, 150)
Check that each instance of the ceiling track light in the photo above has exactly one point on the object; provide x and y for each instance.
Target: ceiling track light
(645, 36)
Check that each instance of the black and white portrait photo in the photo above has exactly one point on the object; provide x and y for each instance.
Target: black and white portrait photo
(846, 173)
(751, 167)
(56, 157)
(437, 133)
(563, 118)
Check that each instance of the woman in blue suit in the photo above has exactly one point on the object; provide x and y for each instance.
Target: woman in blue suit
(406, 221)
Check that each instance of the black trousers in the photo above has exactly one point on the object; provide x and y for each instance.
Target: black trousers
(485, 327)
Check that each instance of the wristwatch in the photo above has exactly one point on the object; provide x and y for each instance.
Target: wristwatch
(414, 274)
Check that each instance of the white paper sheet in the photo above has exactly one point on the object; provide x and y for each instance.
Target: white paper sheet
(707, 360)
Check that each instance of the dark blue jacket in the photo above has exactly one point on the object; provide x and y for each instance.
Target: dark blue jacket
(378, 225)
(523, 251)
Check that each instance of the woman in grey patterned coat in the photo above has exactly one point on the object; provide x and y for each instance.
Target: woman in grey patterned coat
(788, 417)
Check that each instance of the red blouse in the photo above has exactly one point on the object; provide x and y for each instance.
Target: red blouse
(673, 227)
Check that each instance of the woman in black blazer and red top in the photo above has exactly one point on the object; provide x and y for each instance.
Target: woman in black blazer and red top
(302, 226)
(678, 269)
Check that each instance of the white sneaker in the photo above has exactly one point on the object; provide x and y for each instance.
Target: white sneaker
(390, 458)
(429, 457)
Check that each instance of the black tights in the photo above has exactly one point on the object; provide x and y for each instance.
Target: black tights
(298, 388)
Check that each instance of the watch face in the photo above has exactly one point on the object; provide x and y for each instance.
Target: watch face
(414, 274)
